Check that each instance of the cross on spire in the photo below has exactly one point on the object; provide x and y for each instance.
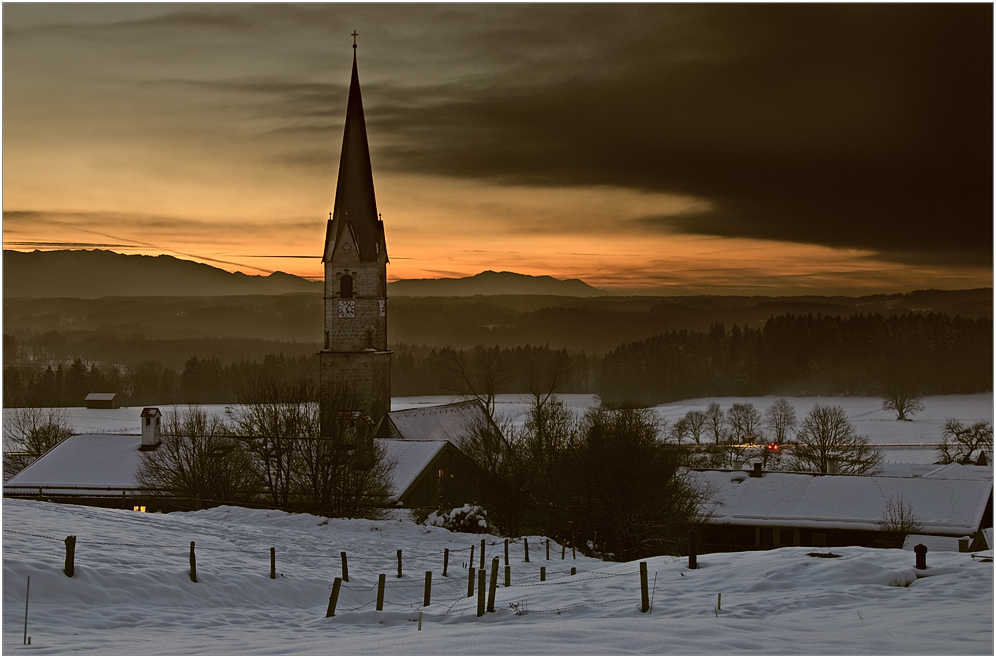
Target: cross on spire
(354, 35)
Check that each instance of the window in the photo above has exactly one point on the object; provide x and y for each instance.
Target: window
(441, 480)
(346, 286)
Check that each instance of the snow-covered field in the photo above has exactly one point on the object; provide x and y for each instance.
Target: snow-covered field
(866, 414)
(132, 594)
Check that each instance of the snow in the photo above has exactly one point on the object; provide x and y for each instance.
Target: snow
(132, 594)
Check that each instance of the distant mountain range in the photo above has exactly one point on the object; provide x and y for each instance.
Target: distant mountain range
(493, 283)
(97, 273)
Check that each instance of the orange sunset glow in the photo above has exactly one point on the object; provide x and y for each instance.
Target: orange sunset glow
(690, 161)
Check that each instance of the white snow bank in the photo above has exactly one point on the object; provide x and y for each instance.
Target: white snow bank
(132, 593)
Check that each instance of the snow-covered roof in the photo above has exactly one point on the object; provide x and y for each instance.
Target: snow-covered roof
(943, 506)
(410, 459)
(445, 422)
(110, 462)
(100, 396)
(960, 472)
(101, 461)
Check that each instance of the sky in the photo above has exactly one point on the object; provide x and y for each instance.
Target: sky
(658, 149)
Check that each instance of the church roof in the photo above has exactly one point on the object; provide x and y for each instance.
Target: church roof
(355, 204)
(445, 422)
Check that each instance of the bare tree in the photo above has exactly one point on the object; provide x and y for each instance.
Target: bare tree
(502, 454)
(959, 442)
(270, 418)
(903, 401)
(479, 376)
(780, 420)
(898, 521)
(715, 423)
(744, 422)
(30, 432)
(680, 430)
(825, 434)
(338, 470)
(695, 421)
(197, 461)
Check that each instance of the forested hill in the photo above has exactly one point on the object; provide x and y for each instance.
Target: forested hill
(89, 274)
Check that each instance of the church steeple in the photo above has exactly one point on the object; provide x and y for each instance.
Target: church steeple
(355, 206)
(355, 358)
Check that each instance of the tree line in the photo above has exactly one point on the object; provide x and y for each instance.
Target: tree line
(806, 355)
(898, 356)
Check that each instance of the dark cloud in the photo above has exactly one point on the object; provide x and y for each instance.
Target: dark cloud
(866, 126)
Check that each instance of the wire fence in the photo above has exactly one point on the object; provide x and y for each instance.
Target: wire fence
(460, 595)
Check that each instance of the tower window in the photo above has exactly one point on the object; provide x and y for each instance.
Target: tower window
(346, 286)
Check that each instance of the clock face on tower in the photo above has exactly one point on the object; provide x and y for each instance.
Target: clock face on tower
(347, 308)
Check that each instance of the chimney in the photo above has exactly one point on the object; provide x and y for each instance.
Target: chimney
(833, 463)
(756, 473)
(150, 418)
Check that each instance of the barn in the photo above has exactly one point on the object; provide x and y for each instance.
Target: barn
(745, 510)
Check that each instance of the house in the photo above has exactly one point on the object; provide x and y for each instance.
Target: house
(93, 469)
(743, 512)
(102, 469)
(102, 401)
(427, 444)
(429, 473)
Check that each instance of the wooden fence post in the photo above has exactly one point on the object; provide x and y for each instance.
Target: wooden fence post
(481, 574)
(471, 563)
(380, 592)
(525, 543)
(644, 588)
(506, 550)
(273, 563)
(548, 548)
(693, 549)
(399, 563)
(345, 569)
(193, 564)
(574, 571)
(334, 598)
(482, 554)
(446, 560)
(921, 556)
(470, 582)
(27, 593)
(70, 567)
(508, 576)
(574, 550)
(563, 551)
(494, 585)
(428, 588)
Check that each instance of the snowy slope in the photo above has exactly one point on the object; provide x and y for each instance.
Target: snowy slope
(132, 593)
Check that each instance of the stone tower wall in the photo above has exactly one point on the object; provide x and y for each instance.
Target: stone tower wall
(366, 374)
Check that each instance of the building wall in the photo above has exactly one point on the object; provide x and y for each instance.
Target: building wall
(366, 374)
(453, 489)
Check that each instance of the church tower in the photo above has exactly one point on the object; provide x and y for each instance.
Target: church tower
(355, 357)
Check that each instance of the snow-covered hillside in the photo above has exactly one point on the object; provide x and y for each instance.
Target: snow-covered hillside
(865, 413)
(132, 594)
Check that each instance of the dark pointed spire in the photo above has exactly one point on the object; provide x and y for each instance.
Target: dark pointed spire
(355, 203)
